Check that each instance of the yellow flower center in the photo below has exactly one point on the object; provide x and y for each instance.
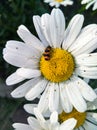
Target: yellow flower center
(80, 117)
(59, 66)
(58, 0)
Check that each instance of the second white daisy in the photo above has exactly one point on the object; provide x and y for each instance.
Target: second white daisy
(85, 120)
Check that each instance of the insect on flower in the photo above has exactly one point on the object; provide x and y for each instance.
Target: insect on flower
(47, 53)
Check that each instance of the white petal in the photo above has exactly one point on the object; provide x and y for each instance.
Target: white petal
(87, 29)
(34, 123)
(20, 54)
(91, 116)
(30, 108)
(15, 59)
(60, 108)
(54, 117)
(80, 128)
(36, 90)
(85, 1)
(87, 92)
(57, 27)
(28, 38)
(53, 97)
(90, 126)
(87, 59)
(94, 116)
(68, 124)
(22, 48)
(24, 88)
(21, 126)
(86, 41)
(66, 2)
(73, 30)
(75, 97)
(87, 48)
(45, 22)
(66, 104)
(38, 27)
(87, 72)
(20, 60)
(43, 102)
(95, 6)
(54, 125)
(14, 79)
(92, 105)
(39, 115)
(28, 73)
(90, 4)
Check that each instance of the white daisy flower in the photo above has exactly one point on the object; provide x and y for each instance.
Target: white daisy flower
(57, 3)
(90, 3)
(41, 124)
(56, 63)
(85, 121)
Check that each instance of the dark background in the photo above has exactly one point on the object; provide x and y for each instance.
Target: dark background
(12, 14)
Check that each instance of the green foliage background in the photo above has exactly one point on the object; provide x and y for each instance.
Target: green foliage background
(14, 13)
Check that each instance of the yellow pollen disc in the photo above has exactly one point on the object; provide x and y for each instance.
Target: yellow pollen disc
(58, 0)
(59, 67)
(80, 117)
